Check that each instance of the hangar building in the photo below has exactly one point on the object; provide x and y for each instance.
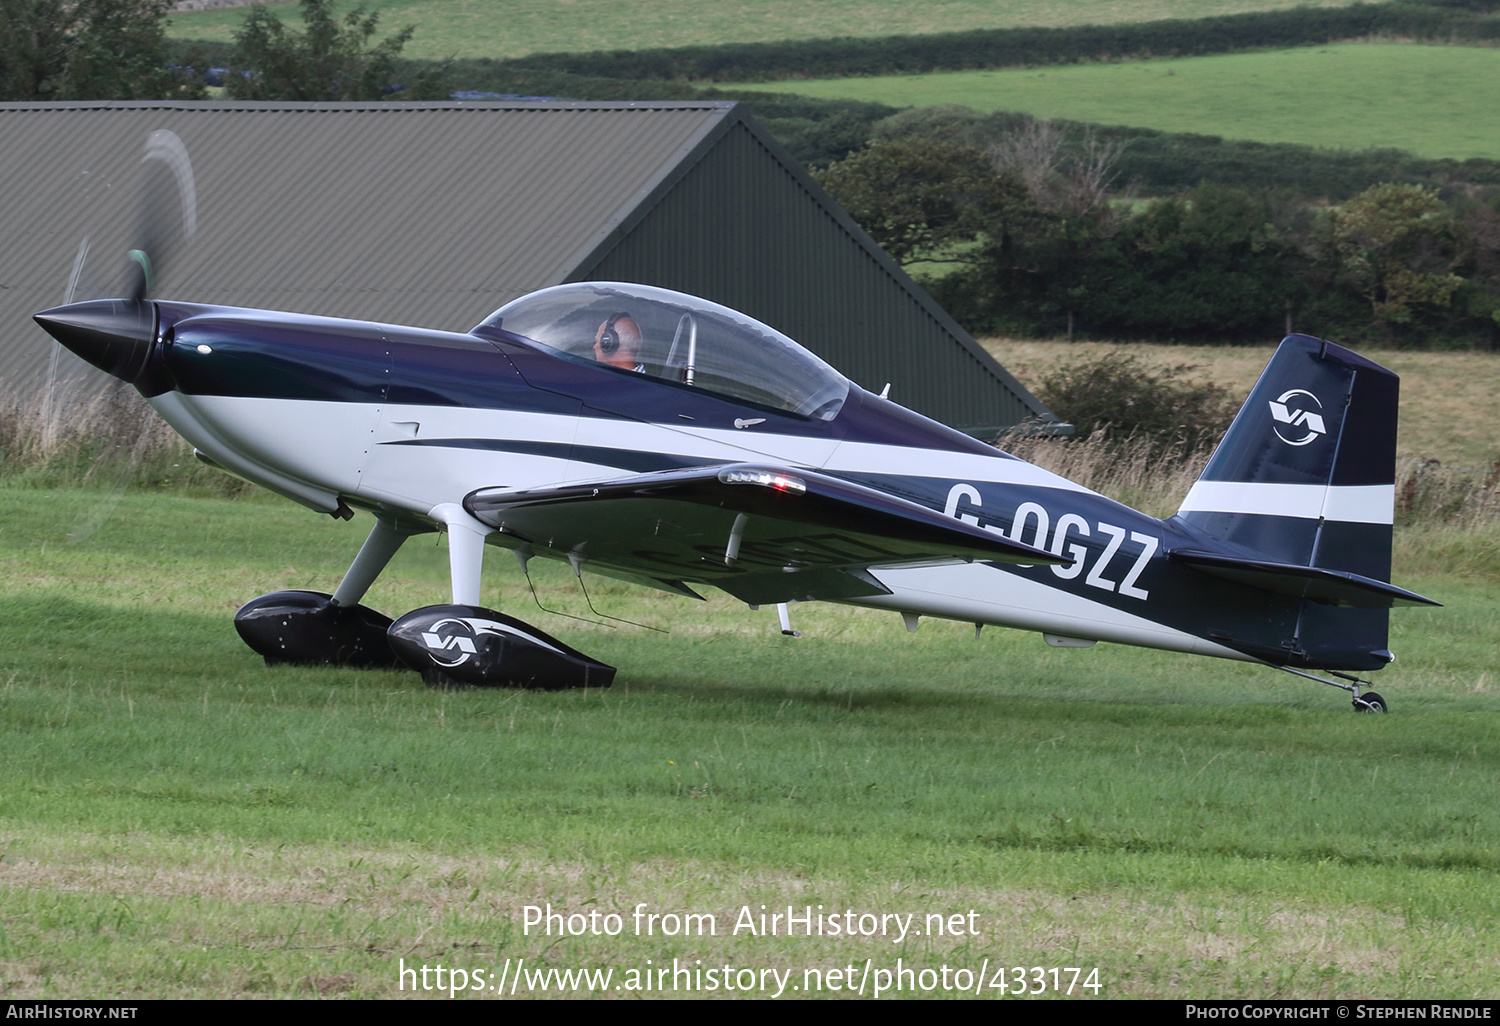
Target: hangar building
(435, 214)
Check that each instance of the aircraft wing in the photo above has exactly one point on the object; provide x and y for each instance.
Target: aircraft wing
(762, 533)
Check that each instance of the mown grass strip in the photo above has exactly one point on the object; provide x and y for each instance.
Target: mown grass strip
(516, 28)
(181, 820)
(1429, 100)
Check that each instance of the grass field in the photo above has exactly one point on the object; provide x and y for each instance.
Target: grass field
(514, 28)
(1434, 101)
(178, 820)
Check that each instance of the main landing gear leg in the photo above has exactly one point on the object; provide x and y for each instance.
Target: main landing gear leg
(311, 628)
(465, 552)
(384, 541)
(1367, 702)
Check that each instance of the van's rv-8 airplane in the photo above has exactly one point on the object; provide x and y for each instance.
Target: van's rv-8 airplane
(725, 454)
(673, 442)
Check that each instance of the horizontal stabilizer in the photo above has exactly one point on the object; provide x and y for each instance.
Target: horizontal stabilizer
(1331, 587)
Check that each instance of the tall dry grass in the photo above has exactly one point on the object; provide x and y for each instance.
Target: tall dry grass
(1447, 518)
(1152, 477)
(111, 440)
(1139, 471)
(1427, 492)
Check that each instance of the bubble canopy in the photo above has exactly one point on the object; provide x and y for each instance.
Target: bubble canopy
(669, 336)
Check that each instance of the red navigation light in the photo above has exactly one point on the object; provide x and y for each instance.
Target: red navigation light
(764, 478)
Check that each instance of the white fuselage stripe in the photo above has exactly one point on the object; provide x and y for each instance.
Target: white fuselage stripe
(984, 594)
(1358, 504)
(311, 438)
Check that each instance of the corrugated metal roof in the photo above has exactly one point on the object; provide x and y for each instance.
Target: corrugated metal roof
(436, 214)
(430, 214)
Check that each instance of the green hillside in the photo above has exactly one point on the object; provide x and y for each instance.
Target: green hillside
(1436, 101)
(514, 28)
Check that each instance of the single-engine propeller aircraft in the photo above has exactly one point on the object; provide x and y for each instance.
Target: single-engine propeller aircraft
(670, 441)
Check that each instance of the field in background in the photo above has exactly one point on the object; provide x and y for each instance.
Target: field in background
(1434, 101)
(179, 820)
(514, 28)
(1450, 402)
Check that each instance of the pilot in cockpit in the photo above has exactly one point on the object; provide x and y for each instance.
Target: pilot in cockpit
(618, 343)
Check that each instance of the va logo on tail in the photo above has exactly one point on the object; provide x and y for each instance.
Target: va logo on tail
(1295, 418)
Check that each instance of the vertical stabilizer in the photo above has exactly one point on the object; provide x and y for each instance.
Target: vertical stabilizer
(1306, 475)
(1307, 472)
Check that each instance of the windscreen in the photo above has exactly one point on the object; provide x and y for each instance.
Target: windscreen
(637, 329)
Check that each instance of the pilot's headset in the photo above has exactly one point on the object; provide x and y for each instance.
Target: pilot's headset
(610, 340)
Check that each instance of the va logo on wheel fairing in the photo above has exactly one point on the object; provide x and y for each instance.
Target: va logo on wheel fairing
(473, 646)
(451, 641)
(1302, 425)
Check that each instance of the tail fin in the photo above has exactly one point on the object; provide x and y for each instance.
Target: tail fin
(1305, 480)
(1307, 472)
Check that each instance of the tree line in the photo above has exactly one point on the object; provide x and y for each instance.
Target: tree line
(118, 50)
(87, 50)
(1014, 225)
(1028, 237)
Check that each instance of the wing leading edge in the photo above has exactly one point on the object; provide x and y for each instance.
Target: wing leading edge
(762, 533)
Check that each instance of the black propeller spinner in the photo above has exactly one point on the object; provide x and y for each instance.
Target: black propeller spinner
(119, 335)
